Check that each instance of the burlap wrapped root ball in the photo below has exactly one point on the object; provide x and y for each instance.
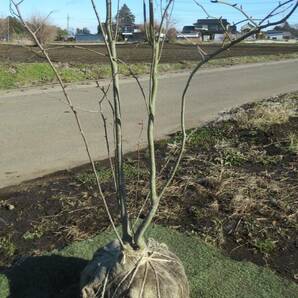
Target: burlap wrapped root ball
(152, 273)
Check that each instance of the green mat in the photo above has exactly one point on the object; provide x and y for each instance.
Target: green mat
(210, 273)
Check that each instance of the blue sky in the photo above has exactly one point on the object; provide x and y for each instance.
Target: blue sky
(185, 11)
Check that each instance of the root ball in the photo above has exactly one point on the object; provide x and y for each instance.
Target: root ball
(152, 273)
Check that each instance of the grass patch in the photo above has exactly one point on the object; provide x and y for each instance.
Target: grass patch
(15, 75)
(210, 273)
(105, 174)
(203, 137)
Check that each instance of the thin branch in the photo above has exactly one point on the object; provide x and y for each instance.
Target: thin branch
(235, 6)
(110, 43)
(42, 22)
(104, 120)
(78, 122)
(145, 20)
(154, 199)
(167, 16)
(132, 73)
(274, 11)
(198, 66)
(215, 18)
(91, 50)
(117, 20)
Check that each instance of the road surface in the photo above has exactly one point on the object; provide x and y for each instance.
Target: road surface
(38, 134)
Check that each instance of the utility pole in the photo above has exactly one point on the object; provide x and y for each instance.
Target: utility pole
(8, 29)
(68, 19)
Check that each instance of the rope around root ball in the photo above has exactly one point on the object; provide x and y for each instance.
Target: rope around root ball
(154, 272)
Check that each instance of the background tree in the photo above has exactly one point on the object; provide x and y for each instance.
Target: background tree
(44, 30)
(172, 34)
(16, 27)
(125, 16)
(61, 34)
(3, 28)
(84, 30)
(13, 25)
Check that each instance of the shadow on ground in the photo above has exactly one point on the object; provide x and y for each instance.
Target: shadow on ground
(45, 277)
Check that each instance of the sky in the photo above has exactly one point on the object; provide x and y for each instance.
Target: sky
(185, 12)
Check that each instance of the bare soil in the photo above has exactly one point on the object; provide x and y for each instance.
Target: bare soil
(236, 189)
(135, 53)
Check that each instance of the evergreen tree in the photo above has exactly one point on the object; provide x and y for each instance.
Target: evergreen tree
(15, 26)
(125, 16)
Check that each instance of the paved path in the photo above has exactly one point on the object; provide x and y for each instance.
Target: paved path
(38, 134)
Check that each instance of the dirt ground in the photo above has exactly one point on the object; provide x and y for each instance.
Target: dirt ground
(236, 189)
(135, 53)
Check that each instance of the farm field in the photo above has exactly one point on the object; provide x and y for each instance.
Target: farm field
(135, 53)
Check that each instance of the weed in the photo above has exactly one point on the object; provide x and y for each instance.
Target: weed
(266, 246)
(104, 175)
(293, 146)
(268, 160)
(233, 157)
(7, 247)
(205, 137)
(32, 235)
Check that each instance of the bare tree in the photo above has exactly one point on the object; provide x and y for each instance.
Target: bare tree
(172, 34)
(43, 29)
(132, 266)
(3, 28)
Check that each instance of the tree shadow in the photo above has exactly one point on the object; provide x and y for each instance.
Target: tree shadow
(45, 277)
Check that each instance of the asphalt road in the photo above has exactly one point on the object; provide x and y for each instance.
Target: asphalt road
(38, 134)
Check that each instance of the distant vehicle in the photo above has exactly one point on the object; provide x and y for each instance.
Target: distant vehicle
(69, 37)
(188, 35)
(189, 29)
(189, 32)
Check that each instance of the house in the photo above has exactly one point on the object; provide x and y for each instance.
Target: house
(247, 28)
(132, 33)
(89, 38)
(278, 35)
(214, 29)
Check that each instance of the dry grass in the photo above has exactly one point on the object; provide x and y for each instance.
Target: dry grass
(266, 115)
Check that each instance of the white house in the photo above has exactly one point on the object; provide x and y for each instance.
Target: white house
(247, 28)
(278, 35)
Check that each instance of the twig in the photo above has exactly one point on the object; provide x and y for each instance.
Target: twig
(77, 119)
(110, 43)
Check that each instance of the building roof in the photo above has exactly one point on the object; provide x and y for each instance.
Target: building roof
(247, 26)
(275, 32)
(211, 26)
(211, 22)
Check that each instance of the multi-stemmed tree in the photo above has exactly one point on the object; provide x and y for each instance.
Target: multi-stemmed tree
(132, 266)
